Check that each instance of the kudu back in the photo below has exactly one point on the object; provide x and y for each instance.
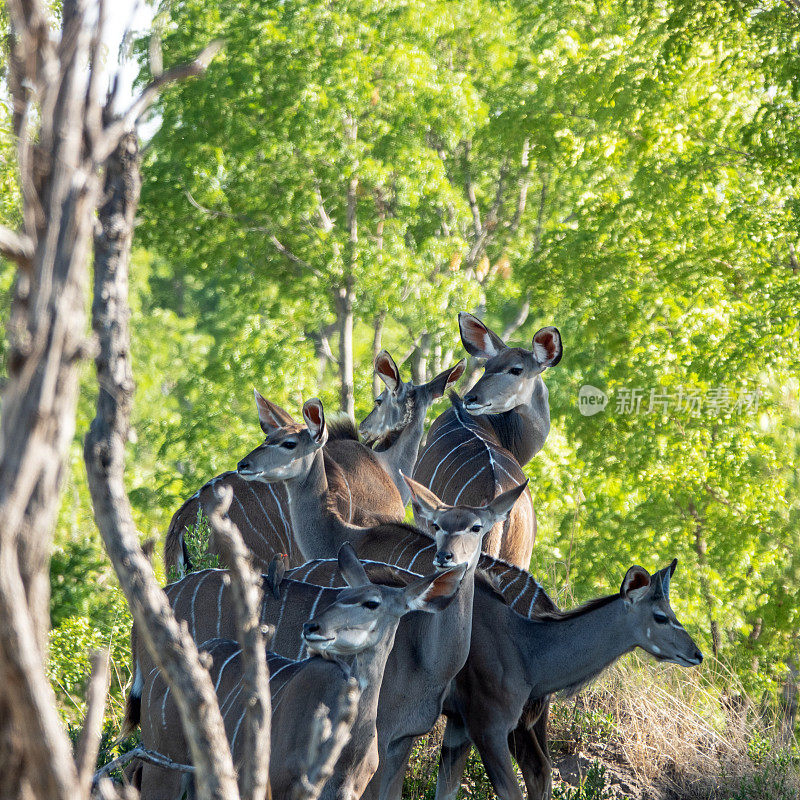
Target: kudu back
(477, 448)
(359, 623)
(360, 487)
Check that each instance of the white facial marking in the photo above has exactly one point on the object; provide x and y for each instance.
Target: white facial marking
(648, 633)
(656, 650)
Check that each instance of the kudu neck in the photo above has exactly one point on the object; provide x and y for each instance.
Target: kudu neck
(401, 455)
(524, 429)
(317, 528)
(562, 653)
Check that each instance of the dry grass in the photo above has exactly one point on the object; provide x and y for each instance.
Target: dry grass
(662, 732)
(680, 736)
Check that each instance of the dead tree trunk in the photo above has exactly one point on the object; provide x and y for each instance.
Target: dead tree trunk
(172, 648)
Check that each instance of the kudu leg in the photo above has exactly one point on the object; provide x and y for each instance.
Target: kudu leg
(456, 745)
(393, 770)
(492, 745)
(529, 747)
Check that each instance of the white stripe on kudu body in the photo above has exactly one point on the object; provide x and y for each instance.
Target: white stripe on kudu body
(477, 447)
(349, 626)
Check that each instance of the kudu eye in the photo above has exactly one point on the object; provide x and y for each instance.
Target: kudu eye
(378, 401)
(435, 527)
(476, 528)
(660, 618)
(516, 370)
(289, 444)
(371, 604)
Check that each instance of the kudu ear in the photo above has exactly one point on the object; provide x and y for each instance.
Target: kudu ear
(547, 347)
(635, 585)
(270, 415)
(478, 340)
(351, 569)
(662, 578)
(275, 572)
(387, 371)
(501, 506)
(444, 380)
(424, 501)
(314, 416)
(434, 592)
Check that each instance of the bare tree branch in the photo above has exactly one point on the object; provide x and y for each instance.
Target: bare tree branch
(142, 754)
(329, 737)
(150, 94)
(170, 645)
(16, 247)
(89, 744)
(246, 595)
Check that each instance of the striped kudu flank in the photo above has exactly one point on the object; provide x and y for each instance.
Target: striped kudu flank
(430, 651)
(396, 424)
(362, 490)
(477, 448)
(294, 455)
(360, 622)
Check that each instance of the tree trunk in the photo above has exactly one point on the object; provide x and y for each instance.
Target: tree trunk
(172, 648)
(345, 299)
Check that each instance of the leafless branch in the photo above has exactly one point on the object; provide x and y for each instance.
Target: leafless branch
(173, 650)
(247, 598)
(518, 321)
(142, 754)
(86, 757)
(469, 187)
(16, 247)
(524, 183)
(329, 737)
(149, 95)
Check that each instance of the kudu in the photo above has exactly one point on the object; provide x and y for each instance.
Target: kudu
(429, 651)
(360, 623)
(395, 426)
(477, 448)
(360, 487)
(515, 661)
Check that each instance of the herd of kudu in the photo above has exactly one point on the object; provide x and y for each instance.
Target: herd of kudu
(446, 609)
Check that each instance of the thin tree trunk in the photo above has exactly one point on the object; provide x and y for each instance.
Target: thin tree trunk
(701, 548)
(344, 316)
(172, 648)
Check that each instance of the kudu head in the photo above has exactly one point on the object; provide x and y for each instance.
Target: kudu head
(289, 448)
(510, 372)
(398, 404)
(459, 530)
(653, 623)
(365, 613)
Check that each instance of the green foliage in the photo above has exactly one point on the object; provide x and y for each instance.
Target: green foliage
(197, 538)
(71, 643)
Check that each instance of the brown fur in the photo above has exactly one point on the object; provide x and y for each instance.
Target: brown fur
(260, 510)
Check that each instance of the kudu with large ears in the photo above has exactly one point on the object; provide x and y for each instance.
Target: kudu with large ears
(477, 448)
(453, 526)
(360, 487)
(395, 426)
(361, 622)
(560, 651)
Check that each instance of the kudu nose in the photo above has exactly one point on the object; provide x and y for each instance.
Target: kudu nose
(698, 657)
(443, 558)
(310, 627)
(244, 466)
(470, 399)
